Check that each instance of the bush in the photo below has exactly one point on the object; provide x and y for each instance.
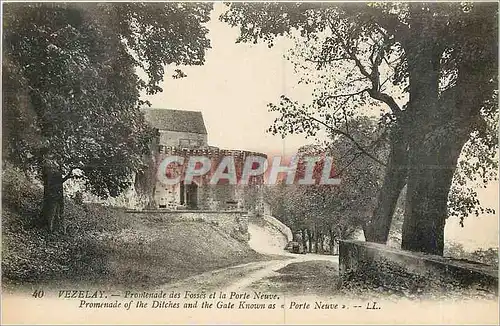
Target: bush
(31, 254)
(484, 256)
(21, 196)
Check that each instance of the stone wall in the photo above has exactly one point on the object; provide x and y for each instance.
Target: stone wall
(386, 266)
(217, 197)
(209, 197)
(233, 223)
(285, 230)
(189, 139)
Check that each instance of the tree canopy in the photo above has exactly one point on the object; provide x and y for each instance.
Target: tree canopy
(431, 69)
(334, 211)
(71, 86)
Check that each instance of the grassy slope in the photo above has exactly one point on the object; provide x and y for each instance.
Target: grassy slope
(172, 251)
(105, 246)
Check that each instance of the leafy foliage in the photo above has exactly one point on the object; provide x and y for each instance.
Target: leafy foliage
(105, 246)
(340, 210)
(485, 256)
(29, 254)
(72, 91)
(356, 57)
(478, 167)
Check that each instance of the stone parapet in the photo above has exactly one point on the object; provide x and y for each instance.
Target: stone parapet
(277, 224)
(386, 265)
(210, 152)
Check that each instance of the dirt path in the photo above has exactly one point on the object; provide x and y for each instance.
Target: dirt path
(263, 239)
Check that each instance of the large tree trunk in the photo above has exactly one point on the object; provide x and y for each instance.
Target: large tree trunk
(427, 191)
(51, 216)
(145, 181)
(377, 230)
(425, 206)
(440, 132)
(430, 181)
(428, 187)
(437, 132)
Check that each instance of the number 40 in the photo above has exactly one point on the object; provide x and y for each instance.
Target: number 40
(38, 294)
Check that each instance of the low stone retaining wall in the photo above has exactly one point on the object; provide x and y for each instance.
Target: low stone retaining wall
(234, 223)
(279, 226)
(387, 266)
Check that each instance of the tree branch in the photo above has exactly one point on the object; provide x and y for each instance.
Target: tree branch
(373, 76)
(387, 99)
(340, 132)
(355, 156)
(324, 61)
(329, 97)
(334, 96)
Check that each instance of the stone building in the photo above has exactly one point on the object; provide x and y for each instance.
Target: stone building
(183, 133)
(176, 128)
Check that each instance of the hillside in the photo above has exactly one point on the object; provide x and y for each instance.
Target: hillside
(105, 246)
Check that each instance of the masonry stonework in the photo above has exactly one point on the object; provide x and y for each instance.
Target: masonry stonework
(183, 133)
(182, 139)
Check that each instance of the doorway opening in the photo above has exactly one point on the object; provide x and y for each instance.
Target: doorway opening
(189, 195)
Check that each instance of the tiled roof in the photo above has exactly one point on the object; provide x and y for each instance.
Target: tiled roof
(175, 120)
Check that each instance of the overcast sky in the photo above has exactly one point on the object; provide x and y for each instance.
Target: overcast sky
(233, 88)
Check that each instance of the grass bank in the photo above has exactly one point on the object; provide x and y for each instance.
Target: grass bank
(104, 246)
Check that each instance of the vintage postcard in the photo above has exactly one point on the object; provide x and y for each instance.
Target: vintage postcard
(249, 163)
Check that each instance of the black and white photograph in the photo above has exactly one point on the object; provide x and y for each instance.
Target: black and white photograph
(248, 162)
